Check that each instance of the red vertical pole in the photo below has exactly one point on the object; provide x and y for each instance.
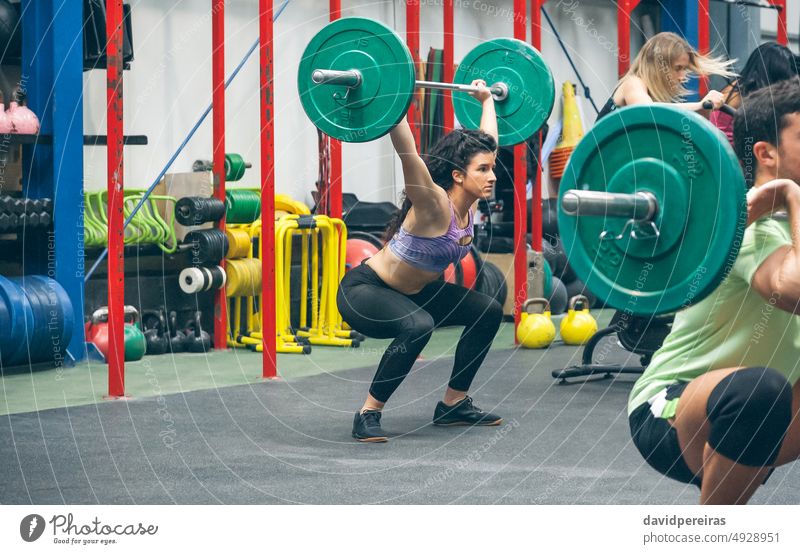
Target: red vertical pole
(218, 102)
(520, 182)
(536, 23)
(783, 35)
(447, 104)
(335, 189)
(412, 38)
(703, 39)
(116, 218)
(268, 308)
(536, 213)
(624, 9)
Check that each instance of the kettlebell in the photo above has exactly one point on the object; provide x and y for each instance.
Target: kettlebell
(197, 340)
(6, 126)
(157, 342)
(22, 118)
(536, 330)
(578, 326)
(97, 333)
(135, 343)
(176, 337)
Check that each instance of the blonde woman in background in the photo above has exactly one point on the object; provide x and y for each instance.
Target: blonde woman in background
(659, 74)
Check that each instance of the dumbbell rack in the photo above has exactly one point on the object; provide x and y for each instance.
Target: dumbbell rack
(17, 214)
(53, 159)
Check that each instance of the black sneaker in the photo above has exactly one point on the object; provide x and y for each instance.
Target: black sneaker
(367, 427)
(463, 412)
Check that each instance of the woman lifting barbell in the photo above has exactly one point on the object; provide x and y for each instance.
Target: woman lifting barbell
(659, 72)
(398, 294)
(768, 63)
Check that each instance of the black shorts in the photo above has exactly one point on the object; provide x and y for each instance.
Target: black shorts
(657, 440)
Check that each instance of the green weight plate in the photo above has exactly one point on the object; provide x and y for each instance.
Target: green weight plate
(372, 109)
(691, 169)
(531, 91)
(548, 278)
(234, 167)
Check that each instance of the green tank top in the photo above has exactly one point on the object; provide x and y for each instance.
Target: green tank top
(732, 327)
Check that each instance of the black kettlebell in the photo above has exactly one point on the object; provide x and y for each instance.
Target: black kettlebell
(155, 340)
(176, 337)
(196, 340)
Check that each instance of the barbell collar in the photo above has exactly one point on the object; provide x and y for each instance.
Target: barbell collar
(639, 206)
(351, 78)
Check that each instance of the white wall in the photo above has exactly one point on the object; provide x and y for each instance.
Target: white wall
(169, 84)
(769, 24)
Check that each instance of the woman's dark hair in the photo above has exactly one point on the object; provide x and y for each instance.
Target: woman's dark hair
(769, 63)
(763, 118)
(453, 152)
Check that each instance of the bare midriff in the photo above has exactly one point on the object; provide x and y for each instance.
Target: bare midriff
(399, 275)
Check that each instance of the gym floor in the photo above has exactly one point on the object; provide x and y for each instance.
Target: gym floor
(205, 429)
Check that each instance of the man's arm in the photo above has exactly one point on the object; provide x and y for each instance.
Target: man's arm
(777, 279)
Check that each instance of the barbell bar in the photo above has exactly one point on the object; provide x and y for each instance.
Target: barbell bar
(652, 209)
(639, 206)
(352, 79)
(357, 79)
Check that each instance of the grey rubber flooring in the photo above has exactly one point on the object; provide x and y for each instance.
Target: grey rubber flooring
(288, 441)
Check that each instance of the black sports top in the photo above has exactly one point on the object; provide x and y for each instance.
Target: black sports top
(609, 107)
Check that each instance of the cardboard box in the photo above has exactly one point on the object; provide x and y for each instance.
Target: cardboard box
(505, 262)
(179, 185)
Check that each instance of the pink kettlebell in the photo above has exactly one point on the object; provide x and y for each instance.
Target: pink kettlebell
(6, 126)
(24, 120)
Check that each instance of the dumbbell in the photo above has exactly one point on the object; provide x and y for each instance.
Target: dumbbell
(45, 219)
(356, 80)
(47, 205)
(29, 220)
(6, 204)
(41, 219)
(234, 166)
(8, 222)
(652, 209)
(14, 205)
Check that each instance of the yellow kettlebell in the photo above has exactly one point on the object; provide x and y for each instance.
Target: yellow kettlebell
(578, 327)
(536, 330)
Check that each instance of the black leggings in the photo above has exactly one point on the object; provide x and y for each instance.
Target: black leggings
(376, 310)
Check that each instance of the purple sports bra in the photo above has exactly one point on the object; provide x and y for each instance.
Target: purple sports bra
(432, 254)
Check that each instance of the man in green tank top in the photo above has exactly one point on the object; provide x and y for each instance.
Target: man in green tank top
(718, 405)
